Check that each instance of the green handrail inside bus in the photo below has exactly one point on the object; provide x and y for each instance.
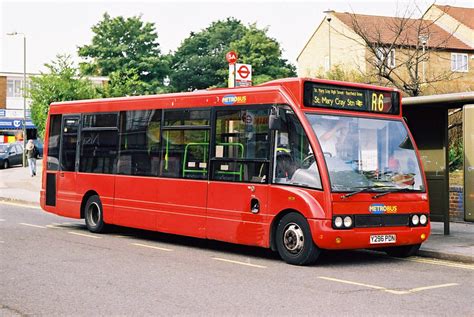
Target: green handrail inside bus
(205, 146)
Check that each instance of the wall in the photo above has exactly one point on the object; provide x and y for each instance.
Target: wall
(345, 51)
(437, 66)
(3, 92)
(456, 203)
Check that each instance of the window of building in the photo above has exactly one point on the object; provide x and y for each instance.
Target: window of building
(139, 143)
(459, 62)
(14, 88)
(385, 56)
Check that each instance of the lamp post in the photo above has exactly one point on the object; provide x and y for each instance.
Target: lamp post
(329, 18)
(423, 39)
(24, 92)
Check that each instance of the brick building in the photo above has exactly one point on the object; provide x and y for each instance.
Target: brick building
(444, 33)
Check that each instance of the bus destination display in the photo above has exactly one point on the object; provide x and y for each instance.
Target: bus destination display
(354, 99)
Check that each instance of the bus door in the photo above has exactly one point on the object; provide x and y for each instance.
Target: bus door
(238, 188)
(67, 200)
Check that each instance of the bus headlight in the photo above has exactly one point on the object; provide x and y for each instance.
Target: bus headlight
(415, 220)
(338, 222)
(347, 222)
(423, 220)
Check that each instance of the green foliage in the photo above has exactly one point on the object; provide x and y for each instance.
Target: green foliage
(264, 54)
(456, 155)
(200, 62)
(61, 83)
(127, 50)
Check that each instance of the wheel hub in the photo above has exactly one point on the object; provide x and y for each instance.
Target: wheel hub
(293, 238)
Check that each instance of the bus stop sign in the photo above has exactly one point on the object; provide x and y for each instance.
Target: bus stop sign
(243, 75)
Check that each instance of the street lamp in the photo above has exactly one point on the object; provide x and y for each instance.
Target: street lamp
(24, 92)
(423, 39)
(329, 18)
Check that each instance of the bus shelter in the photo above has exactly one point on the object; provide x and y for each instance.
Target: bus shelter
(427, 118)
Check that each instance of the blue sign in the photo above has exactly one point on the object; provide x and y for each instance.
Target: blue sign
(15, 124)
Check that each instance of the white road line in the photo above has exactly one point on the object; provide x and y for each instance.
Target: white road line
(241, 263)
(419, 289)
(2, 220)
(19, 204)
(151, 247)
(54, 227)
(383, 289)
(31, 225)
(84, 235)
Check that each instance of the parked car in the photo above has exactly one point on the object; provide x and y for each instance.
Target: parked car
(10, 154)
(39, 145)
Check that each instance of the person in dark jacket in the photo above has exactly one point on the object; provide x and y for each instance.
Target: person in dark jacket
(31, 153)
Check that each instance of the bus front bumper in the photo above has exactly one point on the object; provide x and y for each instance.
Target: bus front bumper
(325, 237)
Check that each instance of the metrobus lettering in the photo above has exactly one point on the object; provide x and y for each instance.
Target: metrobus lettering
(378, 209)
(232, 99)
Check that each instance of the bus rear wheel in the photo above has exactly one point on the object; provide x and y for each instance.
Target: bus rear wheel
(403, 251)
(93, 215)
(294, 241)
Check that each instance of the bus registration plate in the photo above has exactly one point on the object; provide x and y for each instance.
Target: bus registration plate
(383, 238)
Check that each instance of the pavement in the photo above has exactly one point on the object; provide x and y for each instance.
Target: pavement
(16, 185)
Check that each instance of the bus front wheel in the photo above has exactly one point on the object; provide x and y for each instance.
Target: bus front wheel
(294, 241)
(93, 215)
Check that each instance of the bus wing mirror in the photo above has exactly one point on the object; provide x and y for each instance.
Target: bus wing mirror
(274, 121)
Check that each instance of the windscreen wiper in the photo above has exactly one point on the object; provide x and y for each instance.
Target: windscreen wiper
(399, 189)
(365, 189)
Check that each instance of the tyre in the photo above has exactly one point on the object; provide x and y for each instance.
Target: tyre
(294, 241)
(5, 164)
(403, 251)
(93, 215)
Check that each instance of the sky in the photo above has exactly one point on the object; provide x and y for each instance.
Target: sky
(59, 27)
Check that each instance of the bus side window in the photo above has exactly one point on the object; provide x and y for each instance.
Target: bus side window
(241, 148)
(54, 140)
(99, 143)
(185, 145)
(294, 162)
(139, 142)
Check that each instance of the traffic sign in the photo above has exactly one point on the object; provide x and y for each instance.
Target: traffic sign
(243, 72)
(231, 57)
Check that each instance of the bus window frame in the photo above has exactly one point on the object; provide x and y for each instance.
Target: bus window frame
(82, 128)
(212, 153)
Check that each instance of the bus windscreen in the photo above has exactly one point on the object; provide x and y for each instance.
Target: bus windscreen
(349, 98)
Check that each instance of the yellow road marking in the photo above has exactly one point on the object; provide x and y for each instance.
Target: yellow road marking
(84, 235)
(441, 262)
(31, 225)
(151, 247)
(383, 289)
(241, 263)
(18, 204)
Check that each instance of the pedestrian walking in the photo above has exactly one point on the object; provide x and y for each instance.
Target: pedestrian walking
(31, 153)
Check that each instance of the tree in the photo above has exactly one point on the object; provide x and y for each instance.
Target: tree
(264, 54)
(200, 62)
(61, 83)
(400, 47)
(125, 46)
